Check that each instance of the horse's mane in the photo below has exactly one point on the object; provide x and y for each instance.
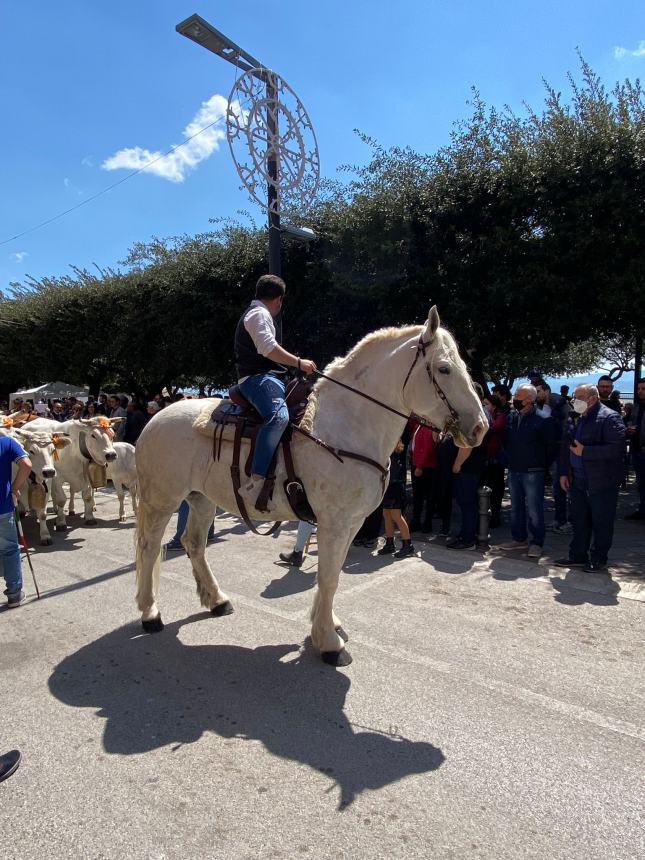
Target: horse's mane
(335, 367)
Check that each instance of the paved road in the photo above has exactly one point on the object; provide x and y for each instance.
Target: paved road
(490, 712)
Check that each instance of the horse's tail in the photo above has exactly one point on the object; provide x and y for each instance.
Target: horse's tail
(140, 539)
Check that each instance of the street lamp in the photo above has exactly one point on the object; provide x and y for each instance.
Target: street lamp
(200, 31)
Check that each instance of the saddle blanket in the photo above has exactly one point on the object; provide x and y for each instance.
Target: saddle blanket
(222, 410)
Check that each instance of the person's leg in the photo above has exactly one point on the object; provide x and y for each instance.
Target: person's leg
(417, 500)
(302, 536)
(518, 506)
(182, 518)
(266, 393)
(10, 554)
(398, 520)
(428, 479)
(603, 514)
(559, 497)
(466, 494)
(534, 485)
(581, 521)
(388, 546)
(494, 478)
(638, 462)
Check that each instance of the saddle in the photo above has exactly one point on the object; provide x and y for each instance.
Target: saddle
(238, 411)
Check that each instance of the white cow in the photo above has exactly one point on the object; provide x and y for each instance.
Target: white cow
(123, 474)
(43, 448)
(91, 443)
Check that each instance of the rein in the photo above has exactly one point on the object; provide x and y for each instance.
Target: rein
(421, 350)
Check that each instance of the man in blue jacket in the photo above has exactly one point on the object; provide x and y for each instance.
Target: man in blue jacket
(11, 452)
(591, 469)
(529, 446)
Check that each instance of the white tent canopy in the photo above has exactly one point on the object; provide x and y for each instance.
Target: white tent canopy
(51, 390)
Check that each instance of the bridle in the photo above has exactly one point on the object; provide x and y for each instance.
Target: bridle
(421, 348)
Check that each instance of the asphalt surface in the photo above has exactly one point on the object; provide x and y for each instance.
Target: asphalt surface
(492, 710)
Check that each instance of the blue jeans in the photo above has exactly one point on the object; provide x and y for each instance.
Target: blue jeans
(266, 393)
(527, 496)
(464, 488)
(592, 515)
(10, 553)
(638, 462)
(559, 497)
(182, 519)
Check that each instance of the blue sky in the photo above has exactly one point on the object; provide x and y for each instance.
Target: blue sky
(83, 81)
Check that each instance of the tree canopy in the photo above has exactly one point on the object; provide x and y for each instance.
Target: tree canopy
(526, 231)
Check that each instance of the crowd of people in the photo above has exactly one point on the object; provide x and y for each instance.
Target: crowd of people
(136, 410)
(580, 447)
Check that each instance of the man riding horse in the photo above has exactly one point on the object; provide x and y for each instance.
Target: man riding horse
(260, 364)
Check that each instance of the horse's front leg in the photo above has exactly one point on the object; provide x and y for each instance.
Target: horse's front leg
(326, 632)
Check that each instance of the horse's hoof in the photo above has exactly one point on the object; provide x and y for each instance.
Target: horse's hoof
(46, 542)
(343, 635)
(221, 609)
(61, 528)
(153, 625)
(337, 658)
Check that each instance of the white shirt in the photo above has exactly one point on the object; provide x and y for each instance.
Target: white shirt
(544, 410)
(259, 324)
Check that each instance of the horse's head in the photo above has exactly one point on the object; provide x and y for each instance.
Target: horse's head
(439, 387)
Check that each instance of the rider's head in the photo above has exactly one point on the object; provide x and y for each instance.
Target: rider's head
(270, 289)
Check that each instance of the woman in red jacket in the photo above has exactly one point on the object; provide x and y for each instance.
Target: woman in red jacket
(423, 458)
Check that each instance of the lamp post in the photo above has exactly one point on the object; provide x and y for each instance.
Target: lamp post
(204, 34)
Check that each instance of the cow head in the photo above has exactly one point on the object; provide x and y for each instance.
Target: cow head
(98, 437)
(42, 448)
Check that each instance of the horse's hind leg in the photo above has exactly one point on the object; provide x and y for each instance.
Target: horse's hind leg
(150, 528)
(326, 633)
(200, 517)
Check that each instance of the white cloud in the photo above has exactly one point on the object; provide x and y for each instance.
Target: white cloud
(177, 164)
(19, 256)
(639, 52)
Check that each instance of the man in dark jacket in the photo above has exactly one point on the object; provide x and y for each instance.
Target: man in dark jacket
(591, 469)
(529, 446)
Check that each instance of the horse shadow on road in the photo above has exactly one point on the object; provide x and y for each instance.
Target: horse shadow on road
(158, 691)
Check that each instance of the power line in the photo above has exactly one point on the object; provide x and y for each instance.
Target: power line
(110, 187)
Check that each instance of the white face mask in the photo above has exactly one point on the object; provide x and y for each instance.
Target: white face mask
(580, 406)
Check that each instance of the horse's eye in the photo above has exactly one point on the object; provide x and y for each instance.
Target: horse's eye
(444, 370)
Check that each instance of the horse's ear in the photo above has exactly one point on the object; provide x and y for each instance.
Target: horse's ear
(432, 324)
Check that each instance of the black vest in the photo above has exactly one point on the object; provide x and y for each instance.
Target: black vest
(248, 360)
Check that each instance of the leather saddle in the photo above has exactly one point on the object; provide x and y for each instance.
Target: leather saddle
(296, 396)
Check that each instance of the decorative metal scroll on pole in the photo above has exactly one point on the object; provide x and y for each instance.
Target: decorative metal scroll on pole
(274, 148)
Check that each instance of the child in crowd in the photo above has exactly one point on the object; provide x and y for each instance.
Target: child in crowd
(393, 505)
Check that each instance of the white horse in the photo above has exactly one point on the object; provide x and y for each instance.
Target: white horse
(412, 369)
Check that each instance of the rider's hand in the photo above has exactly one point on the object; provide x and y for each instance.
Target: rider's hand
(306, 365)
(15, 495)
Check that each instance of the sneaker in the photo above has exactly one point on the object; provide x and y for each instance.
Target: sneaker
(15, 599)
(369, 544)
(406, 550)
(562, 528)
(294, 558)
(9, 763)
(565, 562)
(174, 546)
(388, 548)
(513, 545)
(458, 543)
(535, 551)
(596, 567)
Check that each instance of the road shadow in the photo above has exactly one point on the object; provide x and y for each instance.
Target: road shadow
(155, 690)
(294, 581)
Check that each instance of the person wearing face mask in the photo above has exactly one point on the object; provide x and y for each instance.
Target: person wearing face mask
(556, 409)
(635, 422)
(591, 470)
(529, 447)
